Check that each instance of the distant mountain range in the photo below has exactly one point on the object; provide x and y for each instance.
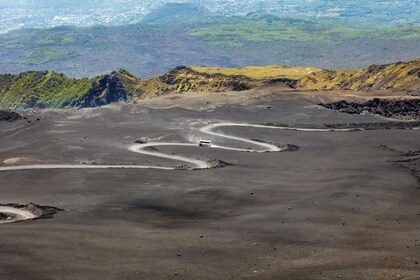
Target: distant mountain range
(50, 13)
(54, 90)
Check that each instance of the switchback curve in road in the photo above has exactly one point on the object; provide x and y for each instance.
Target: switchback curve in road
(146, 149)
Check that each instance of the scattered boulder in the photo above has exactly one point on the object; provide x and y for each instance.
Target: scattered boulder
(4, 217)
(241, 87)
(182, 167)
(289, 148)
(219, 163)
(9, 116)
(151, 149)
(110, 88)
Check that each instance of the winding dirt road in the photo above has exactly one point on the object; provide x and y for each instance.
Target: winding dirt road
(196, 163)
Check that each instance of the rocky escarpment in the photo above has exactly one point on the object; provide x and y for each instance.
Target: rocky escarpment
(398, 109)
(9, 116)
(187, 79)
(110, 88)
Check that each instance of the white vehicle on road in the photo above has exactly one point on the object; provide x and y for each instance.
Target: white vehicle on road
(204, 143)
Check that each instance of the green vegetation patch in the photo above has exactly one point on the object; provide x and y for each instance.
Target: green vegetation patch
(396, 33)
(46, 89)
(54, 39)
(45, 55)
(240, 32)
(29, 38)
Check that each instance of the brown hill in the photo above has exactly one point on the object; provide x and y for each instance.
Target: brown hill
(187, 79)
(401, 75)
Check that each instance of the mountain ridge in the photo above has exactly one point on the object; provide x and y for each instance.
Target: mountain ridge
(43, 89)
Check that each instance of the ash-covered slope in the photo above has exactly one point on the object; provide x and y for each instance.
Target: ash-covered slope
(401, 75)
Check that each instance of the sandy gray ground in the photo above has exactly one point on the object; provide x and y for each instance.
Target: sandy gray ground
(337, 208)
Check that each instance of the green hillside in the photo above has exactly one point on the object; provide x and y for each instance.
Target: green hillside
(45, 89)
(54, 90)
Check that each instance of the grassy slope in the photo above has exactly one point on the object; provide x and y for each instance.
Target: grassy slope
(261, 72)
(47, 88)
(54, 90)
(398, 75)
